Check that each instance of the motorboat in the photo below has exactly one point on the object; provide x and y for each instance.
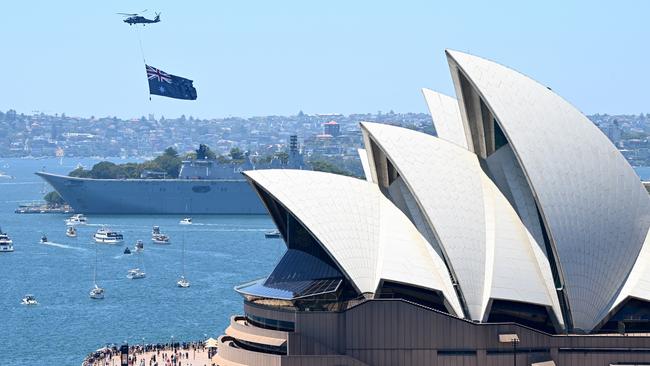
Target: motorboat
(76, 219)
(139, 246)
(43, 239)
(108, 236)
(96, 293)
(6, 244)
(135, 273)
(183, 282)
(272, 234)
(127, 250)
(160, 239)
(71, 232)
(186, 221)
(29, 300)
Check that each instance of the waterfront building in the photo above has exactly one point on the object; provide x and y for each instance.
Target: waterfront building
(500, 241)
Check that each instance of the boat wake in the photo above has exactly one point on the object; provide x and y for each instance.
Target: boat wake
(63, 246)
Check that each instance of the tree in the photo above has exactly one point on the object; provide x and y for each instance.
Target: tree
(170, 151)
(54, 199)
(204, 152)
(326, 166)
(236, 154)
(283, 156)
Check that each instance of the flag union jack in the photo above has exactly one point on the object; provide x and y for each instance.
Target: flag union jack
(159, 75)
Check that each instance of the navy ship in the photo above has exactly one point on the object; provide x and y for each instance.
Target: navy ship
(202, 187)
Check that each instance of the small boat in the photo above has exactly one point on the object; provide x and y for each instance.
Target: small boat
(139, 246)
(71, 232)
(76, 219)
(135, 273)
(29, 300)
(183, 282)
(186, 221)
(272, 234)
(6, 244)
(43, 239)
(127, 250)
(160, 239)
(107, 236)
(157, 237)
(96, 293)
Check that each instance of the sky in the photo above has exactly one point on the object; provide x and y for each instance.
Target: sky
(254, 58)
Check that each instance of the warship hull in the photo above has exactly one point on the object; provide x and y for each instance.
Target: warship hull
(157, 196)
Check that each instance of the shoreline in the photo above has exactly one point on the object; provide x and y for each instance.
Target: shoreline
(161, 354)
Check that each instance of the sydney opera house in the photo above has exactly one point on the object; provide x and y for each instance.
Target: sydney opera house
(518, 235)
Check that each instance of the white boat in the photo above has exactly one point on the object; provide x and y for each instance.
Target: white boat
(139, 246)
(135, 273)
(186, 221)
(29, 300)
(160, 239)
(76, 219)
(107, 236)
(272, 234)
(71, 232)
(183, 282)
(6, 244)
(157, 237)
(97, 293)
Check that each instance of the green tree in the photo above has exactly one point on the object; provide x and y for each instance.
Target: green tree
(204, 152)
(236, 154)
(326, 166)
(54, 199)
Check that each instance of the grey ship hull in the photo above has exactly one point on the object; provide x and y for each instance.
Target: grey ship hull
(156, 196)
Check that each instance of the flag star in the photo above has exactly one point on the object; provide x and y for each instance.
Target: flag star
(162, 89)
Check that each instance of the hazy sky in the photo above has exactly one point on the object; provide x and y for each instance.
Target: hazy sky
(252, 58)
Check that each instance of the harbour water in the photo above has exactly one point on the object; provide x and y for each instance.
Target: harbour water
(221, 252)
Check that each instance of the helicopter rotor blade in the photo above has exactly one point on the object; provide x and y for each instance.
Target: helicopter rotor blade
(127, 14)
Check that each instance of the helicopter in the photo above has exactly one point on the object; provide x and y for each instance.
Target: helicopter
(135, 18)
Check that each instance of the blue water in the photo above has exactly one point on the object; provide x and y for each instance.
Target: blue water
(221, 252)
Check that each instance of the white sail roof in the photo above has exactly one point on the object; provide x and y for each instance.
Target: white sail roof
(489, 250)
(595, 210)
(445, 114)
(363, 232)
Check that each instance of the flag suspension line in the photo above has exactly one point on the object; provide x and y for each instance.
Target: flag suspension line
(142, 53)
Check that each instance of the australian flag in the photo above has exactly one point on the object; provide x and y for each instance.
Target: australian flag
(168, 85)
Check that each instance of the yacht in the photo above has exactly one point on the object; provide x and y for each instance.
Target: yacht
(29, 300)
(77, 219)
(272, 234)
(139, 246)
(97, 293)
(135, 273)
(71, 232)
(157, 237)
(183, 282)
(107, 236)
(6, 244)
(186, 221)
(43, 239)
